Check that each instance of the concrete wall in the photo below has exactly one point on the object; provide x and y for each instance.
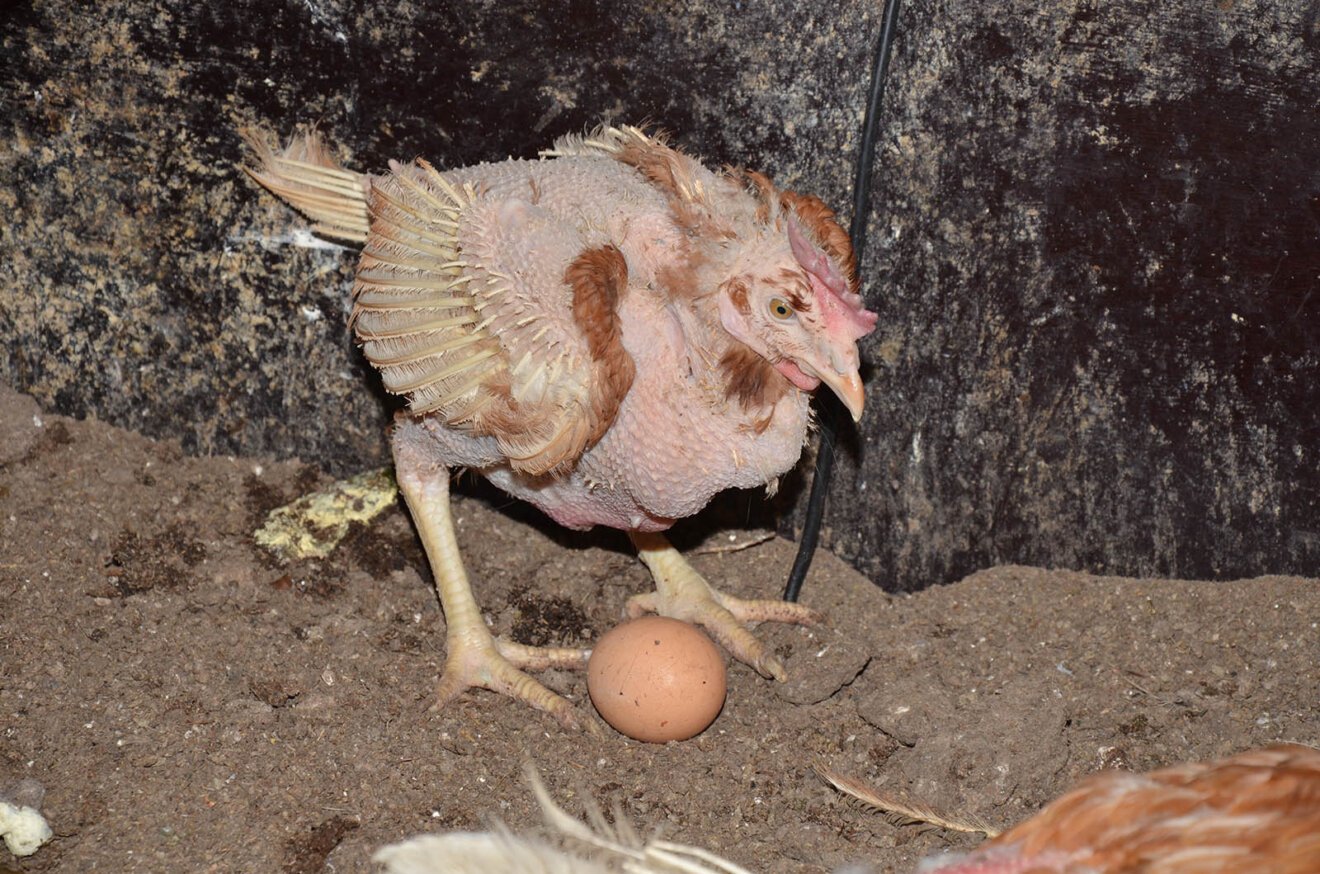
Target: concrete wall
(1094, 239)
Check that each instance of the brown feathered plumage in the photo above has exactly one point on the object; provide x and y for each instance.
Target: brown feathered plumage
(1254, 813)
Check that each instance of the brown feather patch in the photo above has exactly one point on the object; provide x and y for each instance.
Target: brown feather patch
(599, 278)
(794, 285)
(750, 379)
(679, 277)
(673, 173)
(736, 289)
(679, 280)
(1255, 811)
(760, 187)
(820, 221)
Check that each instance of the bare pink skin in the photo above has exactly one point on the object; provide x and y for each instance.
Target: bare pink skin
(795, 375)
(677, 439)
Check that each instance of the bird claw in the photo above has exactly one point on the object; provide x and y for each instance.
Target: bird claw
(499, 667)
(721, 624)
(683, 594)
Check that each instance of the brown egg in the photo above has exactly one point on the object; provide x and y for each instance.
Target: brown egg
(656, 679)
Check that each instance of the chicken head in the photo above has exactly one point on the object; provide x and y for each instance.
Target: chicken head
(788, 300)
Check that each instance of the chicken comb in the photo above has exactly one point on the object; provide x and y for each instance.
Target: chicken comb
(841, 307)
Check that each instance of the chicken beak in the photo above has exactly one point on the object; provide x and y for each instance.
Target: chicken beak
(848, 386)
(841, 375)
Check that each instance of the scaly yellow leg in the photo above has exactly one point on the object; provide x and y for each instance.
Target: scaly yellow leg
(473, 656)
(682, 593)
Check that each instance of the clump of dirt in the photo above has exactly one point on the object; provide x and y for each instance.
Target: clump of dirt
(307, 854)
(138, 564)
(381, 550)
(548, 621)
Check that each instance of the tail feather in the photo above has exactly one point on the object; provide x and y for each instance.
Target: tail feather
(304, 175)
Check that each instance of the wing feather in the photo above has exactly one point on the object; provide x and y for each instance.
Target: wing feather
(492, 313)
(459, 278)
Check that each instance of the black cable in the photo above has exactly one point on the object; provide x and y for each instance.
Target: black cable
(828, 405)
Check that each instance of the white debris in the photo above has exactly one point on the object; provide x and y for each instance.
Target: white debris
(23, 828)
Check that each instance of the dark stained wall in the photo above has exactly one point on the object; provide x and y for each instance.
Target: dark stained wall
(1094, 238)
(1099, 270)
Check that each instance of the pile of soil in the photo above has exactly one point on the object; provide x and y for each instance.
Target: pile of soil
(189, 703)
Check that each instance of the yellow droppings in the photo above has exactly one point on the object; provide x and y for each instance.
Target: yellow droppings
(313, 525)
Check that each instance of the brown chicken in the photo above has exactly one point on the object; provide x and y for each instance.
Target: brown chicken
(1254, 813)
(613, 332)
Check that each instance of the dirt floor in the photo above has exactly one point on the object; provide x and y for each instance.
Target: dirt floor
(190, 704)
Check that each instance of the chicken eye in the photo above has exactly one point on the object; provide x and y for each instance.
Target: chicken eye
(780, 309)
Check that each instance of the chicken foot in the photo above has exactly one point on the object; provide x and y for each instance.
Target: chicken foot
(683, 593)
(474, 658)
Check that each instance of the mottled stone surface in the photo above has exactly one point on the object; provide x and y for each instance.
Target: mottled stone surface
(1098, 266)
(1093, 240)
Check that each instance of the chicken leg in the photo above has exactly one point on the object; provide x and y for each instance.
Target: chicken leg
(473, 657)
(683, 593)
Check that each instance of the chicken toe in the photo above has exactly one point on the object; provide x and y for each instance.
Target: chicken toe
(474, 658)
(478, 660)
(683, 593)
